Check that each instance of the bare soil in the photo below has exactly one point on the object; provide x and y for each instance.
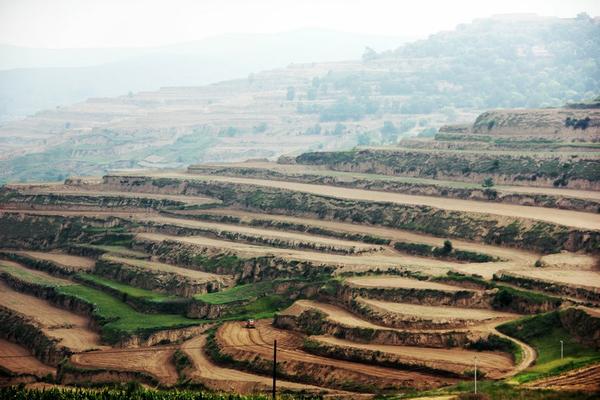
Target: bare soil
(71, 329)
(77, 262)
(156, 361)
(437, 313)
(569, 218)
(455, 359)
(391, 281)
(243, 343)
(19, 360)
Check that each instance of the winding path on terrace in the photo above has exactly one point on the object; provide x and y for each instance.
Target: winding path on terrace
(343, 317)
(228, 379)
(456, 359)
(574, 219)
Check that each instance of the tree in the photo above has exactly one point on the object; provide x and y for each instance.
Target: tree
(447, 249)
(488, 182)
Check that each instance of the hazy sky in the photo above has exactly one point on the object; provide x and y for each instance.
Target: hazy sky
(121, 23)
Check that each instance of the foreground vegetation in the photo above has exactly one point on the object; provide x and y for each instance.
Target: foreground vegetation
(132, 392)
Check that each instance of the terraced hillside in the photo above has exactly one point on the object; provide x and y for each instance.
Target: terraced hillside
(371, 282)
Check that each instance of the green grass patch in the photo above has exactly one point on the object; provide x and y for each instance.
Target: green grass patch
(544, 333)
(237, 294)
(23, 274)
(119, 319)
(126, 289)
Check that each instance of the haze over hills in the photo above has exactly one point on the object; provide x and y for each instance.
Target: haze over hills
(451, 77)
(37, 79)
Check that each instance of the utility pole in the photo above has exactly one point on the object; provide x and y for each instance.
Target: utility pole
(475, 374)
(561, 349)
(274, 369)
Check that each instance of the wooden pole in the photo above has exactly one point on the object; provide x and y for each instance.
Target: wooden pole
(274, 369)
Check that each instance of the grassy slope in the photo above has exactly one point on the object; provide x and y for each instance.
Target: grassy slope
(544, 333)
(126, 289)
(27, 276)
(122, 316)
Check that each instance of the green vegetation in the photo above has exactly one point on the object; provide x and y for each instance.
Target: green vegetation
(113, 249)
(447, 251)
(25, 275)
(237, 294)
(544, 333)
(127, 290)
(118, 319)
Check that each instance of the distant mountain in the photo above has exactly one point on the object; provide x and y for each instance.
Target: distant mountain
(36, 79)
(450, 77)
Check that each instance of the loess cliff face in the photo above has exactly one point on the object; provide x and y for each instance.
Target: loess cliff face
(550, 122)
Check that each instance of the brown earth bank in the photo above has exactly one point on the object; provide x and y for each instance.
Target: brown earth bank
(255, 346)
(160, 277)
(418, 316)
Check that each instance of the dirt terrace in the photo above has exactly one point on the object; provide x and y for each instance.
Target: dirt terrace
(195, 275)
(156, 361)
(18, 360)
(246, 344)
(493, 364)
(415, 311)
(346, 263)
(67, 260)
(291, 237)
(574, 219)
(325, 171)
(70, 329)
(391, 281)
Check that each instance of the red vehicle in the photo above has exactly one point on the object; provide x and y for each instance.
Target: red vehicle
(250, 324)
